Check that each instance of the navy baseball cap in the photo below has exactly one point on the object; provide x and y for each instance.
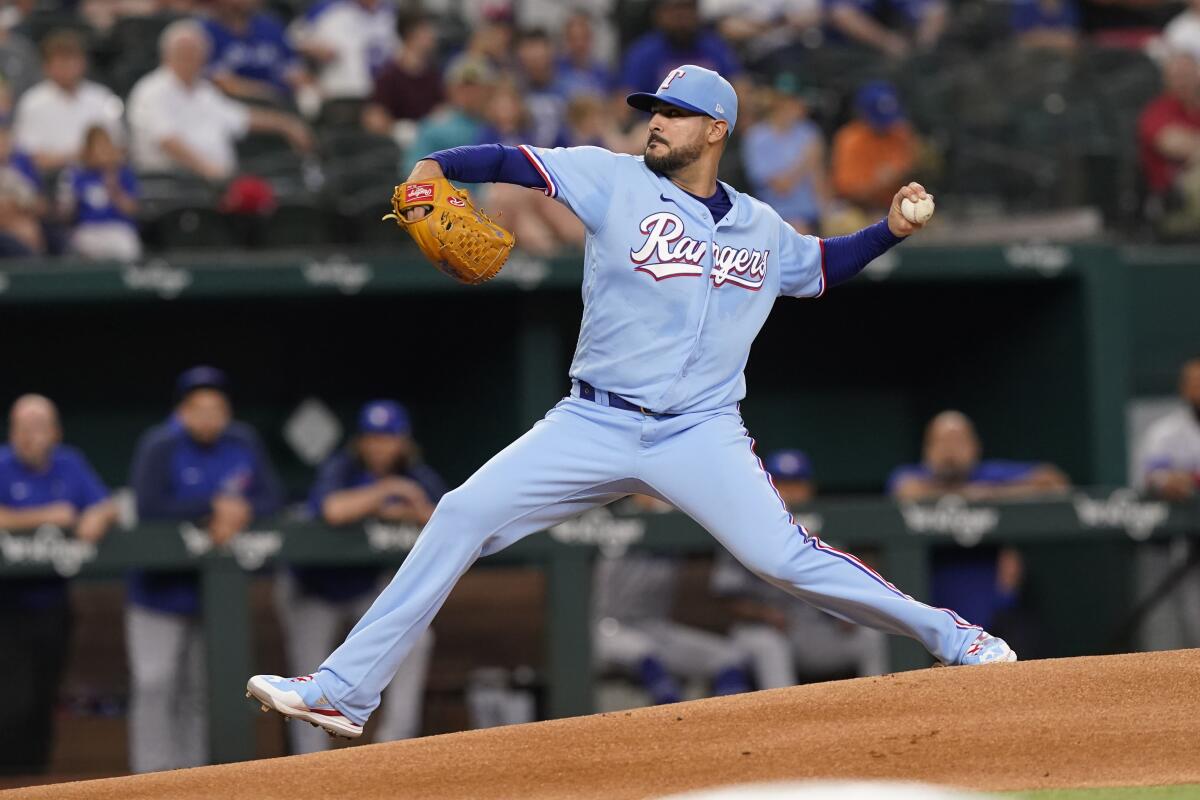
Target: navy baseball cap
(201, 377)
(694, 88)
(789, 465)
(878, 103)
(384, 416)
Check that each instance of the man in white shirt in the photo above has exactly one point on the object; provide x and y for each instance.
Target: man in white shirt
(53, 116)
(1169, 464)
(350, 40)
(180, 122)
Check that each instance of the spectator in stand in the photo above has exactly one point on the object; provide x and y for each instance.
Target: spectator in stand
(179, 122)
(893, 27)
(1169, 146)
(19, 67)
(782, 634)
(874, 152)
(589, 123)
(951, 465)
(579, 70)
(101, 15)
(251, 58)
(1046, 24)
(42, 482)
(409, 86)
(539, 83)
(199, 468)
(678, 38)
(21, 206)
(784, 156)
(99, 199)
(460, 121)
(52, 117)
(543, 226)
(1169, 468)
(765, 25)
(350, 40)
(378, 477)
(491, 41)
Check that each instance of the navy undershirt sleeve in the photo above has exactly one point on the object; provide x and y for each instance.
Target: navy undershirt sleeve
(846, 256)
(488, 163)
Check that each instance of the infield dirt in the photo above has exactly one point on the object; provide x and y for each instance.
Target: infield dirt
(1130, 720)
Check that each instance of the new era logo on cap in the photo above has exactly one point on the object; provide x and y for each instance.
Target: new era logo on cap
(418, 191)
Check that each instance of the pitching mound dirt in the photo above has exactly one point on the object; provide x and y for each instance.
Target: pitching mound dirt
(1109, 721)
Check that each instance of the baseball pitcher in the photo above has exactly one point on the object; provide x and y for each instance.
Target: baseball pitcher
(680, 271)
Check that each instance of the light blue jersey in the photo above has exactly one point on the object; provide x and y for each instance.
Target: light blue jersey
(672, 302)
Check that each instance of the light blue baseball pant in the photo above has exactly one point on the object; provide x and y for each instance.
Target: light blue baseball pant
(585, 454)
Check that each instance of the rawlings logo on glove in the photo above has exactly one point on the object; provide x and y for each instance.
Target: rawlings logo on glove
(458, 238)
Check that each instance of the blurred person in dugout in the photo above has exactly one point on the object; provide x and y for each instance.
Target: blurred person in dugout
(1169, 468)
(633, 633)
(200, 468)
(98, 199)
(42, 483)
(784, 156)
(952, 465)
(788, 640)
(1169, 148)
(872, 153)
(378, 476)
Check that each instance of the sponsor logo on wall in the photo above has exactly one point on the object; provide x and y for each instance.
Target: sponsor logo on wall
(383, 537)
(600, 528)
(1122, 509)
(250, 549)
(338, 272)
(951, 516)
(1047, 259)
(47, 545)
(158, 277)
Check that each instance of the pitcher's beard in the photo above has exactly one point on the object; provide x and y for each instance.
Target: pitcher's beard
(675, 160)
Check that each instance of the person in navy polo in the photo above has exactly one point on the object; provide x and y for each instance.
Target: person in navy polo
(199, 466)
(377, 476)
(42, 482)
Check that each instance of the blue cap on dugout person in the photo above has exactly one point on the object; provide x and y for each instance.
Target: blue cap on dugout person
(791, 473)
(378, 475)
(202, 466)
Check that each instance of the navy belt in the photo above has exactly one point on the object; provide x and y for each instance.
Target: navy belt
(588, 392)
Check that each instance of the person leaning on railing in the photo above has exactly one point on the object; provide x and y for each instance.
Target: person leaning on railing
(42, 483)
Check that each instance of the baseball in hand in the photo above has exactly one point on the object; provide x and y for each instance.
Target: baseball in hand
(917, 212)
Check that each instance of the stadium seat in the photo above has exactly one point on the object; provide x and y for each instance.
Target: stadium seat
(191, 228)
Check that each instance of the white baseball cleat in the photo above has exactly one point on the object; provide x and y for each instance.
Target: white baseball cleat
(301, 698)
(987, 649)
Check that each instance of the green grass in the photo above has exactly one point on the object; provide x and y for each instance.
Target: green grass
(1189, 792)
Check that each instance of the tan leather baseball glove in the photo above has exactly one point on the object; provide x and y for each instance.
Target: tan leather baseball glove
(458, 238)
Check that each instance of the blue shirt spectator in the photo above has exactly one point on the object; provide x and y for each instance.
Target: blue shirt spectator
(384, 482)
(893, 27)
(93, 203)
(679, 39)
(579, 71)
(253, 50)
(44, 482)
(784, 156)
(1051, 24)
(200, 466)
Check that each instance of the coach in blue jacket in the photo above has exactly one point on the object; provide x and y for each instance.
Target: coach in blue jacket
(203, 467)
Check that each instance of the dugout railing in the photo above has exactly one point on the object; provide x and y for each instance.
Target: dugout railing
(903, 537)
